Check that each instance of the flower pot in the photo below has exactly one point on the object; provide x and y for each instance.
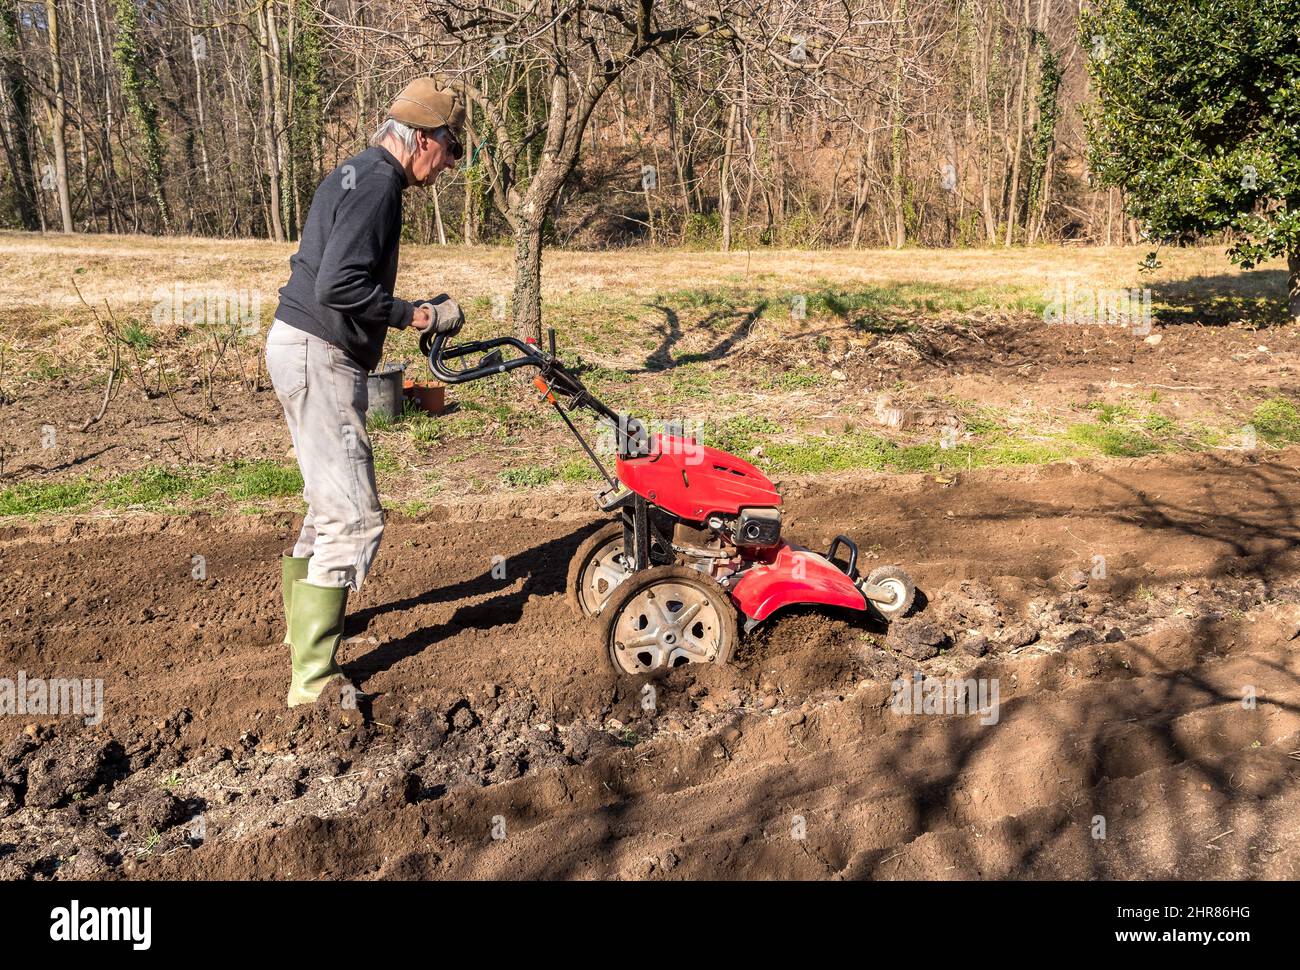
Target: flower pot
(427, 396)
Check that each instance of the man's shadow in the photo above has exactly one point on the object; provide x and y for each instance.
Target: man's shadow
(544, 569)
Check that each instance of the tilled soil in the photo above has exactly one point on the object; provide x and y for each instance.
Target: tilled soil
(1139, 619)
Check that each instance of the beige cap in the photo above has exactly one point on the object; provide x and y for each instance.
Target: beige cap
(424, 105)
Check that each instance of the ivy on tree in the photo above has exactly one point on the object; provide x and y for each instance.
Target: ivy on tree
(1197, 119)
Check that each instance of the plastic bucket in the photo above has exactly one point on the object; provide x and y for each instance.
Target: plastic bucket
(385, 390)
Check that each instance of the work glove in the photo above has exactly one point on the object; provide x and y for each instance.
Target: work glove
(448, 317)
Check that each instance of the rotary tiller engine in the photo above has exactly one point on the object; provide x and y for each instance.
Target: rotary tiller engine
(693, 555)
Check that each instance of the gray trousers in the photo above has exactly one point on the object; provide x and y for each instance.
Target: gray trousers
(324, 396)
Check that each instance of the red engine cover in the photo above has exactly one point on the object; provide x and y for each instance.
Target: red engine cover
(692, 481)
(797, 575)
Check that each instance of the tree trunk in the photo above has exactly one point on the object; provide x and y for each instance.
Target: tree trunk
(859, 204)
(198, 53)
(438, 229)
(107, 165)
(724, 180)
(279, 128)
(136, 85)
(896, 137)
(270, 140)
(469, 222)
(1293, 287)
(863, 193)
(1013, 207)
(680, 162)
(1041, 218)
(899, 227)
(986, 102)
(58, 117)
(528, 280)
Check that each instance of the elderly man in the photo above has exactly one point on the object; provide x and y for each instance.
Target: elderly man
(329, 332)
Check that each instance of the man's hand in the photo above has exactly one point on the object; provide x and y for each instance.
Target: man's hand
(423, 317)
(442, 313)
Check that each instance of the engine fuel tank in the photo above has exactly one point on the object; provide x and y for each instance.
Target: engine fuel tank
(693, 481)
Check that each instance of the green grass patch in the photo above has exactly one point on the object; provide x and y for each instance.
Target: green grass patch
(592, 374)
(1158, 424)
(687, 381)
(623, 322)
(982, 422)
(799, 379)
(1114, 441)
(31, 498)
(425, 429)
(529, 476)
(829, 454)
(481, 410)
(412, 509)
(259, 479)
(45, 369)
(386, 460)
(579, 470)
(865, 451)
(1022, 451)
(1132, 429)
(1110, 413)
(135, 334)
(1277, 421)
(740, 434)
(155, 488)
(825, 298)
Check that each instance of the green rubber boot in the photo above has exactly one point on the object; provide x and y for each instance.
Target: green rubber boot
(315, 630)
(291, 568)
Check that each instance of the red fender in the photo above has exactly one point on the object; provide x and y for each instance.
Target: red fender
(796, 575)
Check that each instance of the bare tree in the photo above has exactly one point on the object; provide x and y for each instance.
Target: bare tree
(58, 115)
(557, 60)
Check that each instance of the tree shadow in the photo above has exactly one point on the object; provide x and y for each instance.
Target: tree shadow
(662, 359)
(54, 469)
(1257, 538)
(1257, 298)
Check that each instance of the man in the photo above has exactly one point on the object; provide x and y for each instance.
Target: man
(329, 332)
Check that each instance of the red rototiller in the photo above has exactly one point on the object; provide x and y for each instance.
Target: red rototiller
(695, 553)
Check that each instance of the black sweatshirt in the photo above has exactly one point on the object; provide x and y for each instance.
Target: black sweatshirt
(341, 280)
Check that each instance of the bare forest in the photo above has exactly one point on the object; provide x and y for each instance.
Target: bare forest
(742, 124)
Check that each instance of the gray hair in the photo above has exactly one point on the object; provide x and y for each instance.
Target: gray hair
(403, 133)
